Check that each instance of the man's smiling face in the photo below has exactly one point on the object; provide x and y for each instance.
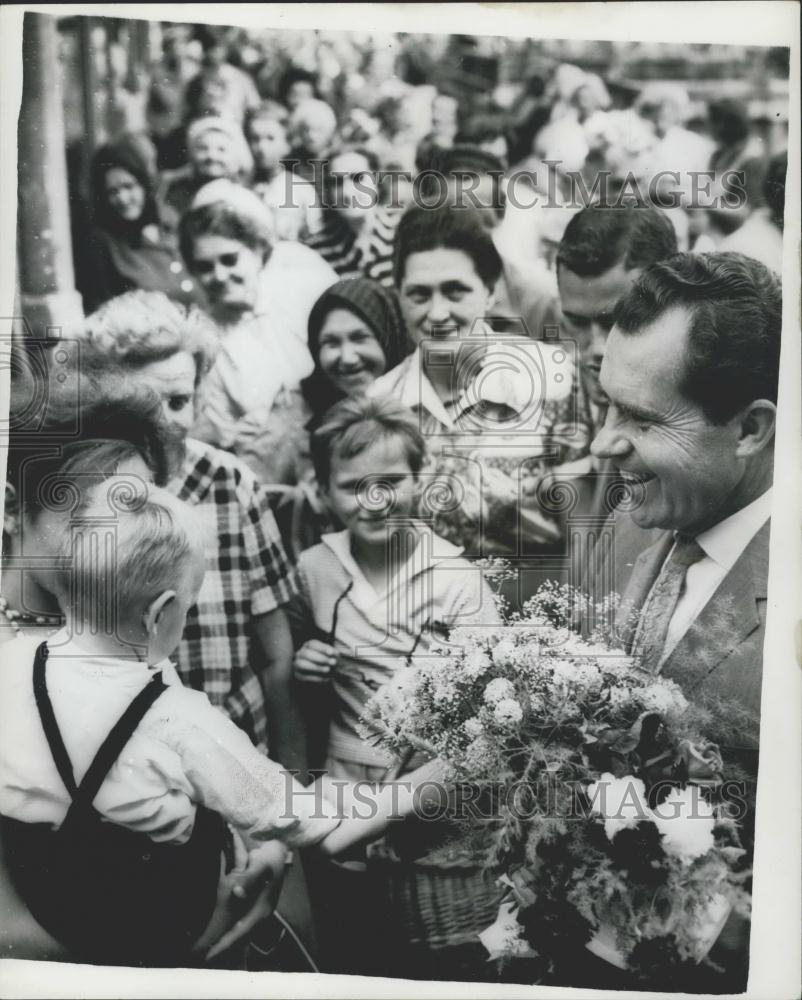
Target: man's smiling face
(686, 464)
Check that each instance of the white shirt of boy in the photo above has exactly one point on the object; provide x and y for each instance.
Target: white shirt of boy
(430, 588)
(185, 752)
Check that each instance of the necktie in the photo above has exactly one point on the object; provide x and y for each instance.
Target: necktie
(650, 637)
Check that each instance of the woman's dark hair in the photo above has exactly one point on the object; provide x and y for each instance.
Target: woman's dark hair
(461, 229)
(732, 356)
(136, 155)
(378, 308)
(64, 439)
(220, 219)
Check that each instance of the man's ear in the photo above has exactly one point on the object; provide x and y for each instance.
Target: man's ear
(154, 612)
(756, 427)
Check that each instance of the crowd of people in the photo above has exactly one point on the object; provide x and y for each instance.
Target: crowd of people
(332, 362)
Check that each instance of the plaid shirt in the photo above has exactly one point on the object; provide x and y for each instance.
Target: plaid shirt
(247, 574)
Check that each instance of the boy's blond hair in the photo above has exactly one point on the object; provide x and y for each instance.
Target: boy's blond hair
(131, 544)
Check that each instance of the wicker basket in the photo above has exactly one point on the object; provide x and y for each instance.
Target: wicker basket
(436, 905)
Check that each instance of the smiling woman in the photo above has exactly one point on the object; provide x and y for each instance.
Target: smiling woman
(499, 412)
(356, 333)
(127, 248)
(259, 293)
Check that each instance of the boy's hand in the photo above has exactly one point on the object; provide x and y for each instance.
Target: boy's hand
(314, 661)
(245, 896)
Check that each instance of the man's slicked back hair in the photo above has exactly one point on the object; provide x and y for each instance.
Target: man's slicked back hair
(599, 237)
(735, 307)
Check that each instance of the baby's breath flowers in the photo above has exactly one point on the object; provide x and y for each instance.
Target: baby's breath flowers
(570, 739)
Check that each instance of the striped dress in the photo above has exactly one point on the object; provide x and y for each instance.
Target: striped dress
(369, 255)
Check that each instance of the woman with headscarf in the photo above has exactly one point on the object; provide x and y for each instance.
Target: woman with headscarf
(127, 248)
(356, 334)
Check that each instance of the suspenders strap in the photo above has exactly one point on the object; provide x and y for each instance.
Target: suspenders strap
(112, 746)
(49, 724)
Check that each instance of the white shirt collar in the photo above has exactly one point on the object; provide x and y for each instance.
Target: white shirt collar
(725, 542)
(65, 644)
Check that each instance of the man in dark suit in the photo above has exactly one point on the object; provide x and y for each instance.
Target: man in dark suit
(690, 372)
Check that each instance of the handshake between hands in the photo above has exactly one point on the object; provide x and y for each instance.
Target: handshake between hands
(248, 893)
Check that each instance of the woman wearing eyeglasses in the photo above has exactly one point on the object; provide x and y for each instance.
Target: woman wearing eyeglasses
(259, 292)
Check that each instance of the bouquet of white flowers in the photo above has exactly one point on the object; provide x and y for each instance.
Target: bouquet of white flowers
(595, 792)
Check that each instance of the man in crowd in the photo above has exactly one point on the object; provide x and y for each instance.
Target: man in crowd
(601, 254)
(690, 371)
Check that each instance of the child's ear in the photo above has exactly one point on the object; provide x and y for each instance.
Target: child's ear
(154, 612)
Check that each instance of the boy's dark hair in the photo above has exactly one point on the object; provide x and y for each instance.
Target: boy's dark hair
(220, 219)
(599, 237)
(735, 305)
(75, 437)
(356, 423)
(422, 229)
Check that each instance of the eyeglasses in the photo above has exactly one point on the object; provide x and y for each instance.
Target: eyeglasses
(228, 260)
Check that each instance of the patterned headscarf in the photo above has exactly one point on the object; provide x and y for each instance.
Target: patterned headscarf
(378, 308)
